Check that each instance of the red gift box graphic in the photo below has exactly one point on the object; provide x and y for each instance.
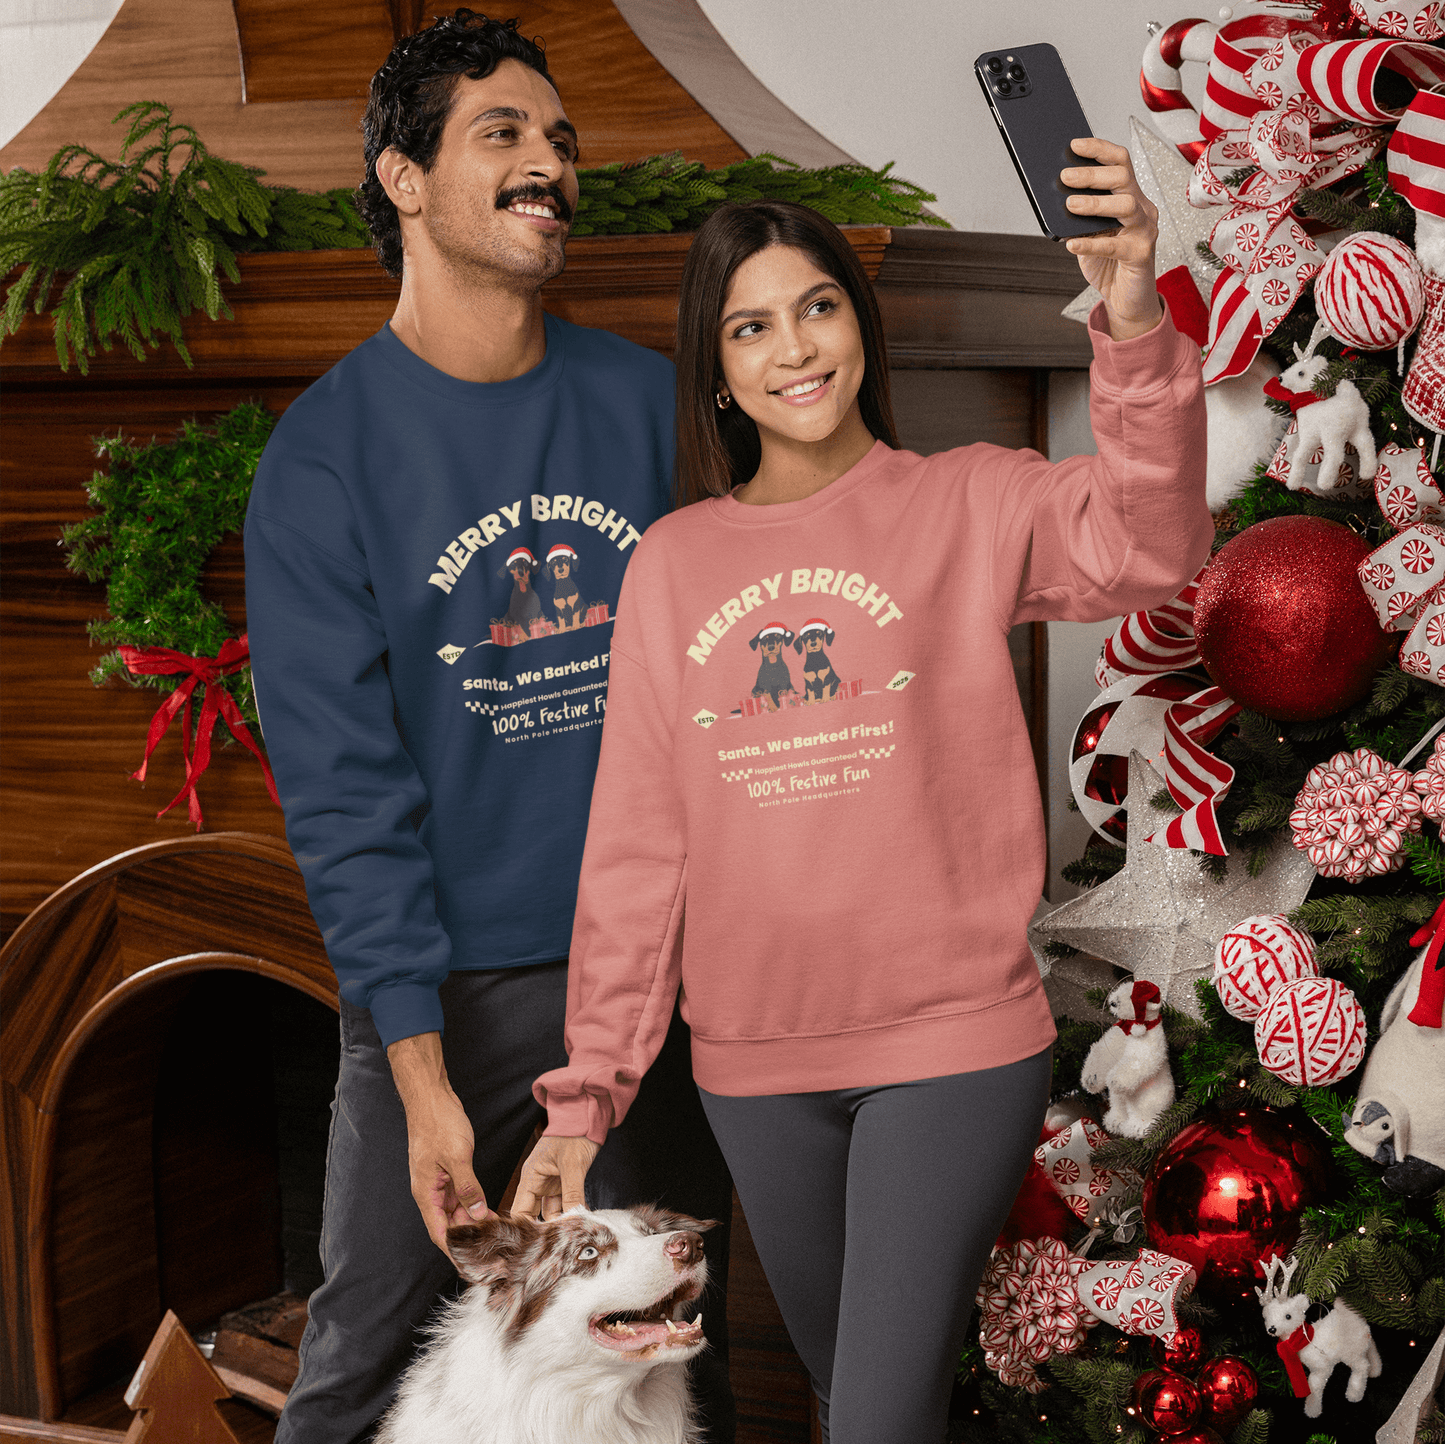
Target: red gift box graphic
(504, 634)
(596, 615)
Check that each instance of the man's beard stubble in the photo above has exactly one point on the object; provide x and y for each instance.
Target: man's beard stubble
(472, 242)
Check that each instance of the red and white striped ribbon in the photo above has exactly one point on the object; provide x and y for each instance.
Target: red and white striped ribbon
(1229, 99)
(1235, 327)
(1159, 640)
(1416, 154)
(1162, 640)
(1196, 778)
(1341, 76)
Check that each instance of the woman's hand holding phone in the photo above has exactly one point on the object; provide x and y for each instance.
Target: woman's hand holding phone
(1118, 264)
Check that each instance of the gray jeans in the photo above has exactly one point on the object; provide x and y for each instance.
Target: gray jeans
(383, 1274)
(874, 1211)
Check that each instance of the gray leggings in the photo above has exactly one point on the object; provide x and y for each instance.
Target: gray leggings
(874, 1211)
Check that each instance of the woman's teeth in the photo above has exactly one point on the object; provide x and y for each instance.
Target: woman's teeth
(803, 387)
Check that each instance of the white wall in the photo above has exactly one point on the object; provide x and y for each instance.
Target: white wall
(895, 81)
(41, 44)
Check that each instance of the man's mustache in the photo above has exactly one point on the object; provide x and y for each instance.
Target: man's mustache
(537, 194)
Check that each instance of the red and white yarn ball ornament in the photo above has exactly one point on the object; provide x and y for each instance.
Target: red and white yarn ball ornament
(1127, 716)
(1255, 957)
(1370, 293)
(1352, 814)
(1430, 783)
(1029, 1301)
(1311, 1032)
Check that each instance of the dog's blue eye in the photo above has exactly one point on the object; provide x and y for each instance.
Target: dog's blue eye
(588, 1252)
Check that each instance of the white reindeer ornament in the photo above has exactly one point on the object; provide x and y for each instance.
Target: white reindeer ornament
(1326, 423)
(1311, 1351)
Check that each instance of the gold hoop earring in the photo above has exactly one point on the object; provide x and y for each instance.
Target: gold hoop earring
(723, 401)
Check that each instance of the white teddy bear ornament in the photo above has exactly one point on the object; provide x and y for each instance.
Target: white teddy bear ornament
(1131, 1061)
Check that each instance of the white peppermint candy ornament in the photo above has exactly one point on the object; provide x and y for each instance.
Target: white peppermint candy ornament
(1370, 291)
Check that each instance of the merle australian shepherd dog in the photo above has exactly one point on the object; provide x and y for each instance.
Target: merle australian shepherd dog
(574, 1331)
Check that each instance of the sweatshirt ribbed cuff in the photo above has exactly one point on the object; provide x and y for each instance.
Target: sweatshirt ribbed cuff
(1141, 361)
(575, 1117)
(402, 1010)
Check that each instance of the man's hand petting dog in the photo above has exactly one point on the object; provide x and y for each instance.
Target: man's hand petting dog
(553, 1176)
(439, 1138)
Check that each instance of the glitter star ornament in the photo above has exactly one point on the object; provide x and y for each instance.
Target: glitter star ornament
(1161, 917)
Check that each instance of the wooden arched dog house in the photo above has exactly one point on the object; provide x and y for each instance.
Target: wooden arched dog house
(134, 1164)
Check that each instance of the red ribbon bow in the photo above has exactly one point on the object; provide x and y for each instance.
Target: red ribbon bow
(1289, 1351)
(207, 672)
(1429, 1009)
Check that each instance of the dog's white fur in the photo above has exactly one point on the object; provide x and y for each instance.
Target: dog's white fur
(525, 1355)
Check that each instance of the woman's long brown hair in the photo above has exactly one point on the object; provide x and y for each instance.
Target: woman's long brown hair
(716, 449)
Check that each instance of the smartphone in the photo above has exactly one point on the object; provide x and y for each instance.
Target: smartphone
(1034, 106)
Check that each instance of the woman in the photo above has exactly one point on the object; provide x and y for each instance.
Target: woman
(870, 1034)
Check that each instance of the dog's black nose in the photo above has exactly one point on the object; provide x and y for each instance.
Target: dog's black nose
(684, 1249)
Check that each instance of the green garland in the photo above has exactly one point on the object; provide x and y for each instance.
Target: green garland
(145, 240)
(159, 512)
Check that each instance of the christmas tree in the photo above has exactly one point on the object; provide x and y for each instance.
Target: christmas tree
(1235, 1227)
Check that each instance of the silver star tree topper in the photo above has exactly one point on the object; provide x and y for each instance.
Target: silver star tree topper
(1161, 917)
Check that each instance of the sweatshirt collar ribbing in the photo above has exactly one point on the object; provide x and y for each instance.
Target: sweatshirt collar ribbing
(517, 391)
(740, 513)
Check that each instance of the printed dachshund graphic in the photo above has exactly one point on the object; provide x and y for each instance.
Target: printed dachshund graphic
(773, 675)
(525, 607)
(821, 682)
(563, 565)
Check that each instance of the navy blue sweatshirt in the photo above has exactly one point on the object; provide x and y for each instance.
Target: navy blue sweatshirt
(432, 568)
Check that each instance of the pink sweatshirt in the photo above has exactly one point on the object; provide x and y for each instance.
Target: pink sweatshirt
(855, 828)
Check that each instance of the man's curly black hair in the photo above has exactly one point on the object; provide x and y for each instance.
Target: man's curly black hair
(411, 97)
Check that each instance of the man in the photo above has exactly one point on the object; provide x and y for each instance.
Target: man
(435, 764)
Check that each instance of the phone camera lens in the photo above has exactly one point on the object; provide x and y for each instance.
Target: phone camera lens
(1015, 72)
(1004, 88)
(995, 64)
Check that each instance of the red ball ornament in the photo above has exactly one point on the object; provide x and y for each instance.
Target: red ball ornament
(1230, 1190)
(1165, 1401)
(1182, 1351)
(1282, 623)
(1228, 1388)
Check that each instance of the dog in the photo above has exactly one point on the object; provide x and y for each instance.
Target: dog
(563, 563)
(524, 607)
(574, 1331)
(821, 681)
(773, 676)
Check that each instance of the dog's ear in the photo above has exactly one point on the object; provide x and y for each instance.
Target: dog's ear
(753, 641)
(664, 1220)
(485, 1252)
